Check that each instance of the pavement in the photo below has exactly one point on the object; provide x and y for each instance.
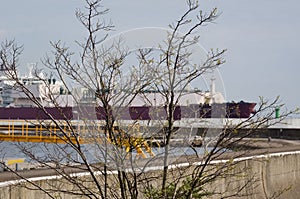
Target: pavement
(248, 147)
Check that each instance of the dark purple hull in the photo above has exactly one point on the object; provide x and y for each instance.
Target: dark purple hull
(225, 110)
(33, 113)
(228, 110)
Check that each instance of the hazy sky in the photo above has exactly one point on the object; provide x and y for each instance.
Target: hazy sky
(261, 37)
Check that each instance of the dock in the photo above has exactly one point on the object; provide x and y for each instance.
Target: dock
(35, 131)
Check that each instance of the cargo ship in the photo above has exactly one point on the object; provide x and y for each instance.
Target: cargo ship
(149, 105)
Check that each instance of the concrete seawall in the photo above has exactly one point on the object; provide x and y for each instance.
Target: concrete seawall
(271, 174)
(276, 174)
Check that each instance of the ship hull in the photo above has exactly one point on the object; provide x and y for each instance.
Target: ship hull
(224, 110)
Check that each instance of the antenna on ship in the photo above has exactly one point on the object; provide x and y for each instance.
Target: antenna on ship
(31, 66)
(212, 88)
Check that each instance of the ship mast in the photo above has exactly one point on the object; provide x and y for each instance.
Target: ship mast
(212, 89)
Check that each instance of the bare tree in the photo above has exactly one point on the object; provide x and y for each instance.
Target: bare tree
(115, 169)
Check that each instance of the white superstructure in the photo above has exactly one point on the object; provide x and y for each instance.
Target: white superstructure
(39, 88)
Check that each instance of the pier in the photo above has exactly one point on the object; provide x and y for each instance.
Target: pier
(46, 131)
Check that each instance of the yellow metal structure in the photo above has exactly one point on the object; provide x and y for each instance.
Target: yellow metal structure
(14, 161)
(35, 131)
(31, 131)
(131, 139)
